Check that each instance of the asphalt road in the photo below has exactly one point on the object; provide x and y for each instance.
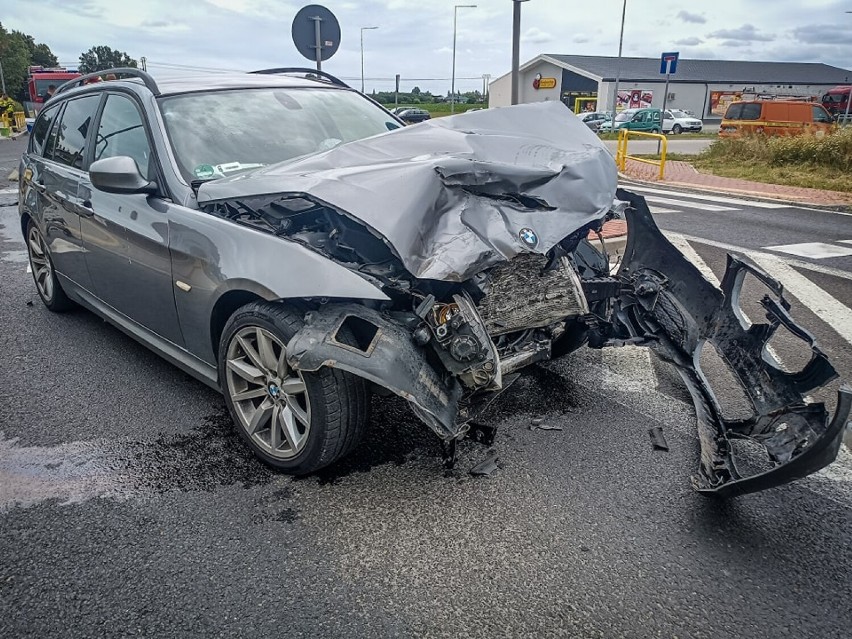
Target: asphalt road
(128, 506)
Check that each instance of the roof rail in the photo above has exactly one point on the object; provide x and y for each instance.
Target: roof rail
(319, 75)
(126, 71)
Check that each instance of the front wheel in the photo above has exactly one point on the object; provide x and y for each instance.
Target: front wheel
(295, 421)
(677, 129)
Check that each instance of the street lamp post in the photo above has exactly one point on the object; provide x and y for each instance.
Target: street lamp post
(455, 22)
(618, 66)
(516, 47)
(363, 29)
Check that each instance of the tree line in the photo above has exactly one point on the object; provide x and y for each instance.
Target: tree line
(19, 51)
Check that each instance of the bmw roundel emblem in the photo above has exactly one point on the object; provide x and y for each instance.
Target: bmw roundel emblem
(528, 237)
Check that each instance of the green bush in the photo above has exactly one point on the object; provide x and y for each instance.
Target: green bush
(832, 151)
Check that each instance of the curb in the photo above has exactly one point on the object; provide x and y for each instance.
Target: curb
(760, 196)
(15, 136)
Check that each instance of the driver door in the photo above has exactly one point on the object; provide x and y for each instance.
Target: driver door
(127, 236)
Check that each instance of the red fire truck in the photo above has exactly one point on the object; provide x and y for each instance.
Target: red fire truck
(40, 78)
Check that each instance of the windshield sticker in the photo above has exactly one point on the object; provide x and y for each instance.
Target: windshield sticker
(204, 171)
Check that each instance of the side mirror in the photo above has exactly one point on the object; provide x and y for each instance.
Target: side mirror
(119, 174)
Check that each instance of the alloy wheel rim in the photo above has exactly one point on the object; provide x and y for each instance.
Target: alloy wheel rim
(270, 399)
(40, 264)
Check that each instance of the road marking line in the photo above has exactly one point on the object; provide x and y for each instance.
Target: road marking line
(825, 306)
(846, 241)
(8, 191)
(690, 205)
(712, 198)
(29, 270)
(813, 250)
(818, 268)
(659, 209)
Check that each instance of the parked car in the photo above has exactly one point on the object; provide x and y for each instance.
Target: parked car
(320, 252)
(775, 117)
(676, 121)
(413, 116)
(647, 120)
(594, 119)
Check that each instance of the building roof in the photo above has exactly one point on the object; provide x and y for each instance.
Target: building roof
(713, 71)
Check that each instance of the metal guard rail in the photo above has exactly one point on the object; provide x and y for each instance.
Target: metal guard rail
(621, 156)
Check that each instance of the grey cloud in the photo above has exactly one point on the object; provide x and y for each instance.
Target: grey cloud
(746, 33)
(580, 39)
(694, 18)
(84, 8)
(537, 36)
(735, 43)
(689, 42)
(155, 23)
(823, 34)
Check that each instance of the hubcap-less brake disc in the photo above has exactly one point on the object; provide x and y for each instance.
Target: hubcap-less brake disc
(270, 399)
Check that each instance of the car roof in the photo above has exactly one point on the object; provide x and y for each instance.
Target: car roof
(175, 85)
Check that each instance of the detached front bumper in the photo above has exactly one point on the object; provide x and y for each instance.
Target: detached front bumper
(668, 305)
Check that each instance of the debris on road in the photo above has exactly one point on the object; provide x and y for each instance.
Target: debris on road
(658, 440)
(486, 466)
(538, 424)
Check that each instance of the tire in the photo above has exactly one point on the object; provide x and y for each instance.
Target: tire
(44, 274)
(321, 419)
(677, 129)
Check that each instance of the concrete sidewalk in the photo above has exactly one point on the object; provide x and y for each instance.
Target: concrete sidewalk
(683, 174)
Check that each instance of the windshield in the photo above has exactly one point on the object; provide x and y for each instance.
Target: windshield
(680, 114)
(624, 116)
(221, 132)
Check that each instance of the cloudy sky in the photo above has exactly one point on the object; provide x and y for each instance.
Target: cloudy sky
(415, 37)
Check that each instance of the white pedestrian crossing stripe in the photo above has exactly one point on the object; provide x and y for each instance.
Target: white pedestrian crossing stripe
(692, 205)
(710, 198)
(813, 250)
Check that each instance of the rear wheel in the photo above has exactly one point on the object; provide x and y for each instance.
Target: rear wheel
(44, 275)
(295, 421)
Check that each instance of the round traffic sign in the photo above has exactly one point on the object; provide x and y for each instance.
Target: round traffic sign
(304, 32)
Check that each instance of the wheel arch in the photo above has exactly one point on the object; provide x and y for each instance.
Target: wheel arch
(225, 306)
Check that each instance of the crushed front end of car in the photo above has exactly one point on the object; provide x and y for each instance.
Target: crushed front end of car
(476, 230)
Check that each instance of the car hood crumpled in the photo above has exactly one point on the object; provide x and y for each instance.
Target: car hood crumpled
(455, 195)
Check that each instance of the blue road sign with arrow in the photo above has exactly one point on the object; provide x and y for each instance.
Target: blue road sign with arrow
(668, 62)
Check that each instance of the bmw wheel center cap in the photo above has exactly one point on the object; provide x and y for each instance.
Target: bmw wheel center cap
(528, 237)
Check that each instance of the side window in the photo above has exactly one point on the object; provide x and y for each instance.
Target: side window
(820, 115)
(42, 128)
(73, 129)
(735, 112)
(656, 116)
(122, 132)
(751, 111)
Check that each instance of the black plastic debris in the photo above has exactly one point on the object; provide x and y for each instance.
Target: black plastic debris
(486, 466)
(30, 303)
(658, 440)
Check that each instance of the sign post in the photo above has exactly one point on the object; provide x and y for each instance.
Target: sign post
(668, 65)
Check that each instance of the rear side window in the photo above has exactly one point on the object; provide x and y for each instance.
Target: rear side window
(121, 132)
(42, 128)
(74, 129)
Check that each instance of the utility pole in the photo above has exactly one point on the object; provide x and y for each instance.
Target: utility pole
(516, 47)
(2, 78)
(144, 62)
(453, 83)
(618, 67)
(362, 54)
